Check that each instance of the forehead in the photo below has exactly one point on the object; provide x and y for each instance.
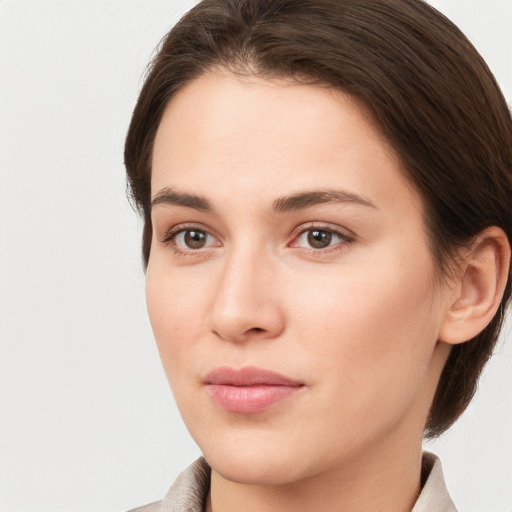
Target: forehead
(250, 135)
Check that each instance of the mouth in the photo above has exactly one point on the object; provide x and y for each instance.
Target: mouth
(249, 390)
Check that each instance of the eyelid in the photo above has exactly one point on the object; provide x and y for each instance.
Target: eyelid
(323, 226)
(344, 233)
(171, 233)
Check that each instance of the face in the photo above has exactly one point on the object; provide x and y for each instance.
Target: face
(290, 286)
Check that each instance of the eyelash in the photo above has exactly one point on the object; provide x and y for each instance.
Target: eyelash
(174, 232)
(345, 238)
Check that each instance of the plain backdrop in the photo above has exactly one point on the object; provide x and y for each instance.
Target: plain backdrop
(87, 420)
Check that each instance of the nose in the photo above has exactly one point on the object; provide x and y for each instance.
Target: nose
(246, 304)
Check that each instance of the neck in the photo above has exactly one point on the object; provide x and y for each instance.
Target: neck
(383, 480)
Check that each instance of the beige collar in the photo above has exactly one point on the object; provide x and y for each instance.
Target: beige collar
(434, 495)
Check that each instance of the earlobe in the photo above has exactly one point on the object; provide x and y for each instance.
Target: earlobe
(478, 288)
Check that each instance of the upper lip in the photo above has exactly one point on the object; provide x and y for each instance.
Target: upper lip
(248, 376)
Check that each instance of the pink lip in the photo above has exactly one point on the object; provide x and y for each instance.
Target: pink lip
(249, 390)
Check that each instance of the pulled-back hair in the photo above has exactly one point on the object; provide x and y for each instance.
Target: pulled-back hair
(429, 91)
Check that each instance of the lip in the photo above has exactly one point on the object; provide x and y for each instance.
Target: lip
(249, 390)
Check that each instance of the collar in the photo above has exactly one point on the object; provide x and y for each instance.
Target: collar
(434, 495)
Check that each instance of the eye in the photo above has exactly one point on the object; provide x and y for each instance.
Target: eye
(319, 238)
(189, 239)
(192, 238)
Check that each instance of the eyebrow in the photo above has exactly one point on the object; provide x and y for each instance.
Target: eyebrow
(298, 201)
(308, 199)
(170, 196)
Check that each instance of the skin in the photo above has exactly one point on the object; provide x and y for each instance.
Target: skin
(357, 322)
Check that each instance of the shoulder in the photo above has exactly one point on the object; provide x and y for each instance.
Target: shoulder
(187, 493)
(151, 507)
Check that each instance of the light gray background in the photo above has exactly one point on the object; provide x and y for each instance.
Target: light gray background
(87, 420)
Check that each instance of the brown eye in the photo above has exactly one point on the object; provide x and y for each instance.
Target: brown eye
(319, 239)
(187, 241)
(194, 239)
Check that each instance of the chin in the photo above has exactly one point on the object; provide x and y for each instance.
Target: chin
(253, 467)
(260, 456)
(250, 449)
(252, 454)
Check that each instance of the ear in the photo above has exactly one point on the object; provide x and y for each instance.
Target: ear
(478, 287)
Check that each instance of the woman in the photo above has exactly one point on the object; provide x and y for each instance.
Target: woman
(326, 188)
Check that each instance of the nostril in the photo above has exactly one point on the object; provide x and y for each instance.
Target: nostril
(257, 329)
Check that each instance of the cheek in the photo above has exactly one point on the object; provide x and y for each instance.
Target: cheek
(374, 331)
(176, 313)
(369, 371)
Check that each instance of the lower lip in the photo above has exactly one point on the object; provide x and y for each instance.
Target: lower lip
(249, 399)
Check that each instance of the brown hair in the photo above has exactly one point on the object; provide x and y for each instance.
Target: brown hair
(429, 90)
